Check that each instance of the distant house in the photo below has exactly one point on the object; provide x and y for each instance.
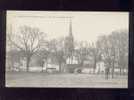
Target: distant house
(74, 60)
(100, 67)
(78, 67)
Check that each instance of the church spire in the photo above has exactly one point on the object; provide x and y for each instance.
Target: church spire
(70, 28)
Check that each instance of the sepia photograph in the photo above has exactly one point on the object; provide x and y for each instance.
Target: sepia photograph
(67, 49)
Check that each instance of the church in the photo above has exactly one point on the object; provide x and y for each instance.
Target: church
(70, 48)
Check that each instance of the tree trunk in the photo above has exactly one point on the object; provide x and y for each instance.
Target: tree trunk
(42, 68)
(113, 70)
(46, 65)
(120, 71)
(60, 70)
(28, 62)
(94, 64)
(123, 70)
(72, 59)
(42, 65)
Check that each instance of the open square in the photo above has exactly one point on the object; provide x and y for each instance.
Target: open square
(67, 49)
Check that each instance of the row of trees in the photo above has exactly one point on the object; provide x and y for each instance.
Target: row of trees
(112, 49)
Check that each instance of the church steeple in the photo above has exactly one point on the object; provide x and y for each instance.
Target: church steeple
(70, 37)
(70, 28)
(69, 43)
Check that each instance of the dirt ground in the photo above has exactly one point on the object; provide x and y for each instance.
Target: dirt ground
(37, 79)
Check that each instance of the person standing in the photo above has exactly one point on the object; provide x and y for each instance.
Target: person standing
(107, 69)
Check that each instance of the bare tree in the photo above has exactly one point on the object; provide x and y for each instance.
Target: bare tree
(56, 48)
(122, 49)
(43, 57)
(114, 48)
(83, 51)
(29, 40)
(95, 53)
(104, 47)
(112, 39)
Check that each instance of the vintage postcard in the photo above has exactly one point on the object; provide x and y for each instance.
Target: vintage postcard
(67, 49)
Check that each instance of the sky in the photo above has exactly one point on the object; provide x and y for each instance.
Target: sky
(86, 26)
